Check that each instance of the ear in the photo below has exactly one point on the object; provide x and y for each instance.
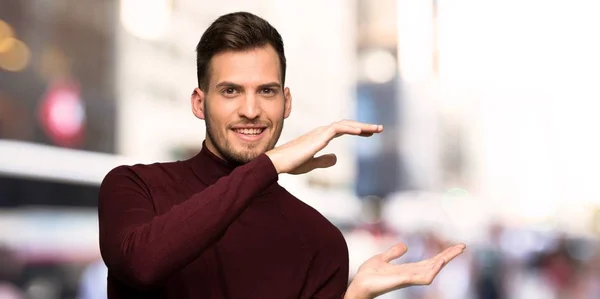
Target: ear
(197, 100)
(288, 102)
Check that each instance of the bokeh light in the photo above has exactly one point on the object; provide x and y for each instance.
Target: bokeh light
(15, 55)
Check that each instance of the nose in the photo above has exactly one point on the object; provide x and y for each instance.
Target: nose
(250, 107)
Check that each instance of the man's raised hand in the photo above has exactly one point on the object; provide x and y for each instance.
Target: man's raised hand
(298, 155)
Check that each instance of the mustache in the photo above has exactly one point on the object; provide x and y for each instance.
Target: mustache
(251, 123)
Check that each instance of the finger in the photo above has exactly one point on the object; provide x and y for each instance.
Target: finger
(449, 254)
(323, 161)
(394, 252)
(445, 256)
(450, 251)
(435, 270)
(355, 128)
(454, 251)
(338, 129)
(364, 126)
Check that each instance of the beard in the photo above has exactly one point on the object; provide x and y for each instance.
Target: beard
(246, 152)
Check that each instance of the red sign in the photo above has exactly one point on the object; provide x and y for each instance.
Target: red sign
(62, 114)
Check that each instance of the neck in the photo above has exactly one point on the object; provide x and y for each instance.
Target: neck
(212, 148)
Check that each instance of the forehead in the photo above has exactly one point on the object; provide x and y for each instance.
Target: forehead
(251, 67)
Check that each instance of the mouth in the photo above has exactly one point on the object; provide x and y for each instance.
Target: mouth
(249, 134)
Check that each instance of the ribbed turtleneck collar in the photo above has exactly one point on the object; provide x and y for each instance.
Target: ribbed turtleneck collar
(208, 167)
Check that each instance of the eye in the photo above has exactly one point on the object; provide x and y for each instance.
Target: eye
(229, 91)
(268, 91)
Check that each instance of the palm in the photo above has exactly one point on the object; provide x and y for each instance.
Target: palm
(377, 276)
(298, 155)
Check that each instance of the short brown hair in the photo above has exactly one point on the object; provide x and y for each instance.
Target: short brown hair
(237, 31)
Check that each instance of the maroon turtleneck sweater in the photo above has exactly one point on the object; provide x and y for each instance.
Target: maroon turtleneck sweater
(202, 228)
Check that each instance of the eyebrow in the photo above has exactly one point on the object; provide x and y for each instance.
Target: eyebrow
(238, 86)
(270, 85)
(228, 84)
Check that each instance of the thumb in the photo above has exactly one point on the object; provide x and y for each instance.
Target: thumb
(323, 161)
(394, 252)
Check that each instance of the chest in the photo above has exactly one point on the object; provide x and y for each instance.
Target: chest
(263, 253)
(266, 252)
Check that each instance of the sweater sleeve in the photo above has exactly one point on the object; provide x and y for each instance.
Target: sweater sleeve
(332, 277)
(141, 248)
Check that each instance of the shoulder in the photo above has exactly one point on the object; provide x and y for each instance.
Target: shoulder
(149, 176)
(318, 228)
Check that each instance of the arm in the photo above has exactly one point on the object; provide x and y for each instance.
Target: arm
(376, 276)
(328, 272)
(334, 285)
(142, 249)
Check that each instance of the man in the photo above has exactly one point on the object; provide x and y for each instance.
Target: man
(218, 225)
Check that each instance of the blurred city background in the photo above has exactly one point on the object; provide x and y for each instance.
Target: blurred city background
(489, 110)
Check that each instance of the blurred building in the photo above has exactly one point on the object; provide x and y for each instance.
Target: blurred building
(380, 170)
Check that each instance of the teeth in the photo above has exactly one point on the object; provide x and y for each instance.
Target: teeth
(249, 131)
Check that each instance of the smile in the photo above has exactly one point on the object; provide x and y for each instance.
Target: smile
(249, 134)
(252, 131)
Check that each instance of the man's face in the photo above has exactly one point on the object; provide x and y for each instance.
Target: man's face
(245, 104)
